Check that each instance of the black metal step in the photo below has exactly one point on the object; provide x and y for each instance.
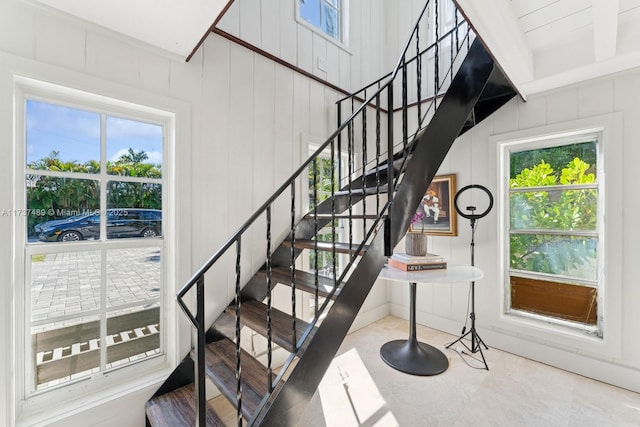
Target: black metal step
(253, 314)
(220, 360)
(305, 280)
(340, 247)
(177, 408)
(329, 217)
(368, 191)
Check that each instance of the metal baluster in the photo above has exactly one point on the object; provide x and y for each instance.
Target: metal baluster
(436, 78)
(390, 171)
(293, 265)
(364, 165)
(269, 332)
(316, 253)
(378, 151)
(350, 165)
(333, 212)
(419, 75)
(405, 111)
(339, 143)
(201, 400)
(238, 328)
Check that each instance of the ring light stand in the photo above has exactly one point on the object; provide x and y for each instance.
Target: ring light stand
(476, 341)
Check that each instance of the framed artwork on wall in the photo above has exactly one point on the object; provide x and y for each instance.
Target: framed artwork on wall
(436, 214)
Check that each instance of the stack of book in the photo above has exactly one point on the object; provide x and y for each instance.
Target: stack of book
(407, 262)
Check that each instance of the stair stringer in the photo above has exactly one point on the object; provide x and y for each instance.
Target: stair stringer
(430, 150)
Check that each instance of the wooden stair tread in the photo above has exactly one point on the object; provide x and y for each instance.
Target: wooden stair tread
(305, 280)
(220, 365)
(340, 247)
(311, 216)
(178, 408)
(367, 191)
(254, 315)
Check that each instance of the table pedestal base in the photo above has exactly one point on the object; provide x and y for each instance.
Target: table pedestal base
(414, 357)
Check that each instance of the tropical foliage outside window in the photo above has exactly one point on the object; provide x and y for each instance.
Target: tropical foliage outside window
(553, 231)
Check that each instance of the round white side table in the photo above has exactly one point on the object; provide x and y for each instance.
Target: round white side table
(412, 356)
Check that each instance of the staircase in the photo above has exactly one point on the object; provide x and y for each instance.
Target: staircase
(368, 199)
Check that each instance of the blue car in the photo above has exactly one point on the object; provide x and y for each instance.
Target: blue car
(126, 222)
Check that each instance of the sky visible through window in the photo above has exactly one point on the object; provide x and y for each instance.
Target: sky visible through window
(75, 135)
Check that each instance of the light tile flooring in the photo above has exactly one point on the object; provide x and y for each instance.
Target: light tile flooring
(359, 389)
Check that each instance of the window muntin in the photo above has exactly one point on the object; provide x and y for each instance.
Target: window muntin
(553, 234)
(84, 279)
(326, 15)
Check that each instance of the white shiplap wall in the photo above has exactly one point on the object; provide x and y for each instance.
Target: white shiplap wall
(270, 25)
(250, 121)
(474, 158)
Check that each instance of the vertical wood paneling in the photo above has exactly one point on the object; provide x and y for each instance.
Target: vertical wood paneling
(250, 22)
(355, 45)
(270, 26)
(67, 48)
(230, 22)
(562, 106)
(107, 57)
(318, 122)
(263, 128)
(305, 49)
(319, 54)
(18, 29)
(288, 27)
(212, 157)
(241, 117)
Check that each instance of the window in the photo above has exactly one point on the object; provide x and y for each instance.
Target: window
(92, 221)
(554, 235)
(326, 15)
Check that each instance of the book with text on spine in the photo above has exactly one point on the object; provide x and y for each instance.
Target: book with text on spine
(420, 259)
(416, 267)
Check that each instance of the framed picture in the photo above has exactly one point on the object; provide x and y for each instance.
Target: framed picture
(436, 214)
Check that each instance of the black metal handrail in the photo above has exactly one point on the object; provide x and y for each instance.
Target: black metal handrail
(355, 194)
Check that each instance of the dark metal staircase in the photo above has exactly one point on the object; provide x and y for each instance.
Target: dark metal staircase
(370, 200)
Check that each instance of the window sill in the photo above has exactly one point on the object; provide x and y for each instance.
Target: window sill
(73, 400)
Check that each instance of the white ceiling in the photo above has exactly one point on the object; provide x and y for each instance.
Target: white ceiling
(173, 25)
(541, 44)
(545, 44)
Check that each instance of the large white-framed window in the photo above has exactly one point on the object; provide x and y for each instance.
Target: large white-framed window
(92, 219)
(554, 230)
(326, 17)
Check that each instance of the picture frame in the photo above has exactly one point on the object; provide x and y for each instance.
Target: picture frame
(436, 214)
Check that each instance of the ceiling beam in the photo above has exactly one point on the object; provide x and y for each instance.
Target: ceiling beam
(497, 26)
(605, 28)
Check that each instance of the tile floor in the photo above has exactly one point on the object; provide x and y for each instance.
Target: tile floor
(360, 389)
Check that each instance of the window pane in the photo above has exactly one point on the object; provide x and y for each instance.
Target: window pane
(310, 11)
(556, 158)
(132, 335)
(62, 138)
(133, 275)
(134, 209)
(65, 302)
(554, 210)
(330, 21)
(134, 148)
(62, 209)
(560, 300)
(573, 256)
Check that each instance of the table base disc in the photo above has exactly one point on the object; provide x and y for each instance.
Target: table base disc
(413, 357)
